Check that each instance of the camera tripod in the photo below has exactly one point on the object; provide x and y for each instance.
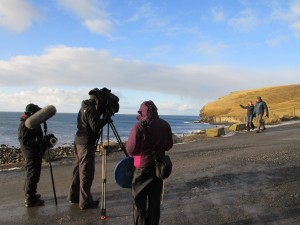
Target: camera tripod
(104, 153)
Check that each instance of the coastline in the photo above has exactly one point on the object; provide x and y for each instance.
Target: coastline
(11, 157)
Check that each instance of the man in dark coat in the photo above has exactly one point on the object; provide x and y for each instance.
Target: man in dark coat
(250, 110)
(146, 187)
(33, 148)
(259, 110)
(89, 124)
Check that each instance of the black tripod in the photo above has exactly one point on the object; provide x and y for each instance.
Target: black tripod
(104, 153)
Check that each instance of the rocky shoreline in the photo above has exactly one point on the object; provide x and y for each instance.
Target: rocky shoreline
(11, 156)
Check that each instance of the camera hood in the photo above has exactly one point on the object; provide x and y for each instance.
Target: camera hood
(94, 91)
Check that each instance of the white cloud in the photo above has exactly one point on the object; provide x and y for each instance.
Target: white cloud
(218, 15)
(277, 40)
(288, 13)
(159, 51)
(93, 15)
(245, 21)
(154, 19)
(208, 48)
(17, 15)
(150, 15)
(102, 27)
(296, 26)
(64, 100)
(295, 9)
(77, 68)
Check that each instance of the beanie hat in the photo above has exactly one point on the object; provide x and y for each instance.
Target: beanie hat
(32, 108)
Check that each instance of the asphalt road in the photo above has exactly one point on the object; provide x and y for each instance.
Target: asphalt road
(248, 178)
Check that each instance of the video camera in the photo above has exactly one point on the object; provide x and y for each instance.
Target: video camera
(107, 100)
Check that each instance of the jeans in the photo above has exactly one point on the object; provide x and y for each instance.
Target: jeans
(249, 122)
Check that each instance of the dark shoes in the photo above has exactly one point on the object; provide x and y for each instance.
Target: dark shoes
(34, 203)
(90, 205)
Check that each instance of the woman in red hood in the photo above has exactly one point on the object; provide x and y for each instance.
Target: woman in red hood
(146, 187)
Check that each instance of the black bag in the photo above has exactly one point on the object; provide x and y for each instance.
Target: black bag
(163, 164)
(163, 167)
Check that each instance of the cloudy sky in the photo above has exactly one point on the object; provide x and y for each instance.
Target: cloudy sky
(180, 54)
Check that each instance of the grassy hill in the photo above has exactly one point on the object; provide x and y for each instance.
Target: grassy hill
(283, 102)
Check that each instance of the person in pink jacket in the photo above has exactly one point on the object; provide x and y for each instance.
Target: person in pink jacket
(146, 187)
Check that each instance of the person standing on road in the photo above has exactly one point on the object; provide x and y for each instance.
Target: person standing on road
(259, 110)
(146, 187)
(89, 124)
(250, 110)
(33, 148)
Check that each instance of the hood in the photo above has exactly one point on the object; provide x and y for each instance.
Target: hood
(147, 111)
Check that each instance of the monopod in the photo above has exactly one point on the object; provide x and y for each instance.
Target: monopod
(49, 159)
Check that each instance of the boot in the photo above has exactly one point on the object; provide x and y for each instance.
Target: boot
(33, 203)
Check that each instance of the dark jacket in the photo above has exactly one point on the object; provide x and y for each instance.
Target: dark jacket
(88, 124)
(260, 108)
(31, 140)
(250, 109)
(138, 144)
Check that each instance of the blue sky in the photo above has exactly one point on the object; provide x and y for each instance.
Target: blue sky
(180, 54)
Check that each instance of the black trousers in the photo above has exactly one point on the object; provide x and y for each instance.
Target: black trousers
(33, 165)
(146, 192)
(83, 175)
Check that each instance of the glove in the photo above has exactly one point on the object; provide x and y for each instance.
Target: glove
(50, 140)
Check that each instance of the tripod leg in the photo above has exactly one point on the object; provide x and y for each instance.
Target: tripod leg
(52, 179)
(118, 138)
(104, 168)
(103, 194)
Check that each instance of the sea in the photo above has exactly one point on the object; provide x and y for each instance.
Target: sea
(63, 126)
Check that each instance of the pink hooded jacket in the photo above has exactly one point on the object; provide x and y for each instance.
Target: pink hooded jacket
(138, 145)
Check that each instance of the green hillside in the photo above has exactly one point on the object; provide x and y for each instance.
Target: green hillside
(283, 102)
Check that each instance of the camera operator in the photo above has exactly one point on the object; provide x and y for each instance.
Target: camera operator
(89, 124)
(33, 146)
